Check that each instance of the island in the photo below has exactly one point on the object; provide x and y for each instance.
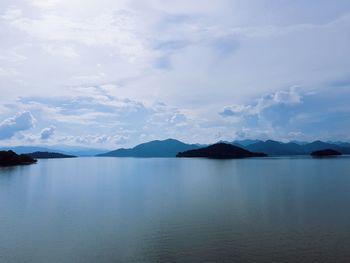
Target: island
(49, 155)
(325, 153)
(10, 158)
(220, 151)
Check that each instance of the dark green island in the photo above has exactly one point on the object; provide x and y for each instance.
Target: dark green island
(220, 151)
(10, 158)
(326, 153)
(49, 155)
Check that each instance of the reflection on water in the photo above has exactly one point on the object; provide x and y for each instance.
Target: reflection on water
(176, 210)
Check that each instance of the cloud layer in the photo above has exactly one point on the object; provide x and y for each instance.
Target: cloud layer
(114, 73)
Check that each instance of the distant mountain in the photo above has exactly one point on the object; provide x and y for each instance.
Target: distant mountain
(78, 150)
(10, 158)
(319, 145)
(170, 147)
(341, 144)
(279, 148)
(276, 148)
(63, 149)
(325, 153)
(300, 142)
(245, 142)
(344, 144)
(165, 148)
(49, 155)
(220, 151)
(25, 149)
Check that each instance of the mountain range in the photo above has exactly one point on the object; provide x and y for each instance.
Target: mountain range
(171, 147)
(275, 148)
(49, 155)
(165, 148)
(62, 149)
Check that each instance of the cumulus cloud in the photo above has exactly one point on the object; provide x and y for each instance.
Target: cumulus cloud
(280, 97)
(108, 140)
(263, 117)
(120, 140)
(290, 96)
(235, 110)
(20, 122)
(102, 113)
(48, 132)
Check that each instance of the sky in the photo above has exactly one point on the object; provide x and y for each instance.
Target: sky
(115, 73)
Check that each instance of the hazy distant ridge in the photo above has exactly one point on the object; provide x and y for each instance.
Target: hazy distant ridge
(62, 149)
(49, 155)
(170, 147)
(165, 148)
(279, 148)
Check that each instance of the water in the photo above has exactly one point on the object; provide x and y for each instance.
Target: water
(176, 210)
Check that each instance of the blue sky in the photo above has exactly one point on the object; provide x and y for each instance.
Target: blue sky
(116, 73)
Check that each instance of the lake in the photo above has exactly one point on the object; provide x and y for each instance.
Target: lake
(176, 210)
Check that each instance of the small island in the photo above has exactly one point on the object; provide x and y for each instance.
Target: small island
(326, 153)
(49, 155)
(220, 151)
(10, 158)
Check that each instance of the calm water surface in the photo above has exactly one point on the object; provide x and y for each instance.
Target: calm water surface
(176, 210)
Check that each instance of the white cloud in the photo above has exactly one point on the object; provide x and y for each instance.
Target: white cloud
(106, 140)
(8, 72)
(236, 110)
(290, 96)
(46, 3)
(20, 122)
(115, 29)
(195, 58)
(286, 97)
(120, 140)
(61, 50)
(47, 133)
(12, 13)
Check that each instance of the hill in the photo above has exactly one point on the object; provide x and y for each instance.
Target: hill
(245, 143)
(165, 148)
(49, 155)
(220, 151)
(10, 158)
(279, 148)
(25, 149)
(276, 148)
(77, 150)
(63, 149)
